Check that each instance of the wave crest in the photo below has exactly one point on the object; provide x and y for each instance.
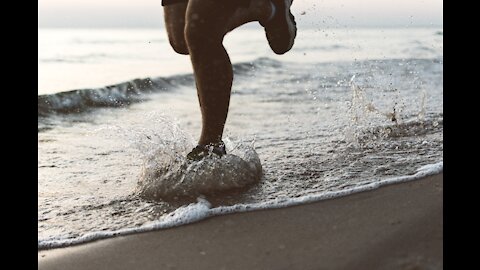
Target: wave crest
(126, 93)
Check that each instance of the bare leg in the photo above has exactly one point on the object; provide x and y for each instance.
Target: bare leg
(174, 15)
(175, 25)
(207, 22)
(198, 29)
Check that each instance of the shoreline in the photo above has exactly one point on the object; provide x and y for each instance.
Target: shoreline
(202, 209)
(395, 226)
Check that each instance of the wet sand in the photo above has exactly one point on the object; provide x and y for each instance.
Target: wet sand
(397, 226)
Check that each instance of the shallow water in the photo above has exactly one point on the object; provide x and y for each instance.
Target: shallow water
(316, 126)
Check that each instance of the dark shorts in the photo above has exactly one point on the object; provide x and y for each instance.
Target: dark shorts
(169, 2)
(244, 3)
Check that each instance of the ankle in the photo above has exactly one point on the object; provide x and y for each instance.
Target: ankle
(210, 142)
(201, 151)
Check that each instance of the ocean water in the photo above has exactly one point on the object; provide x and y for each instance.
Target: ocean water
(346, 110)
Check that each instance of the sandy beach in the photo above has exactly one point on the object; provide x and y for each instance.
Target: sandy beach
(398, 226)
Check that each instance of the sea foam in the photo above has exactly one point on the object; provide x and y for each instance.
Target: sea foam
(202, 209)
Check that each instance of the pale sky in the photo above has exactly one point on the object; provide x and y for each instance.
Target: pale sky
(316, 13)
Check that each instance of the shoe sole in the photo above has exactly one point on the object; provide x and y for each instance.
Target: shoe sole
(282, 25)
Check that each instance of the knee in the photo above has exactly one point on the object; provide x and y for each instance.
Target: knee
(175, 24)
(179, 47)
(200, 35)
(176, 39)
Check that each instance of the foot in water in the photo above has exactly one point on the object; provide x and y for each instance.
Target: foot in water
(201, 151)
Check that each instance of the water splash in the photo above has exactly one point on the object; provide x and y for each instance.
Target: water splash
(369, 124)
(167, 175)
(421, 113)
(176, 179)
(362, 106)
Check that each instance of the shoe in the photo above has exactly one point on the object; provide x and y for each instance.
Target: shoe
(281, 30)
(201, 151)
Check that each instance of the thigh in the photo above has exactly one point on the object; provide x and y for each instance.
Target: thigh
(210, 17)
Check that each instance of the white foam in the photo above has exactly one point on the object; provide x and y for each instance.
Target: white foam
(202, 209)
